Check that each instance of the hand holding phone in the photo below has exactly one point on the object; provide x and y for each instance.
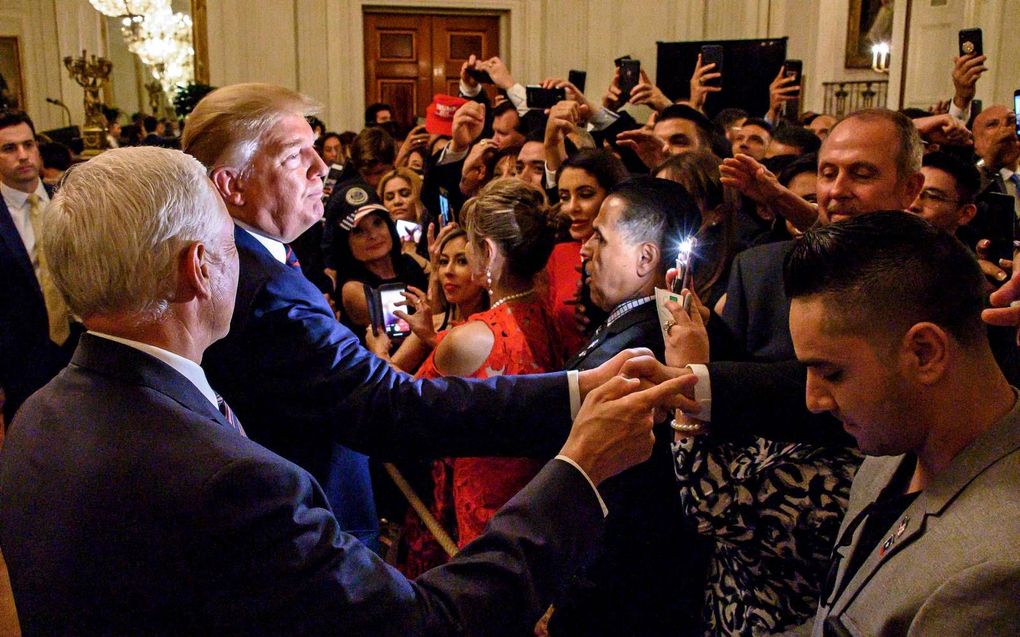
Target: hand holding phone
(713, 54)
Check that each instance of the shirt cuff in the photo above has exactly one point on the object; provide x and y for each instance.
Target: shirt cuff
(602, 503)
(603, 119)
(449, 157)
(518, 97)
(467, 91)
(962, 114)
(574, 390)
(550, 179)
(702, 392)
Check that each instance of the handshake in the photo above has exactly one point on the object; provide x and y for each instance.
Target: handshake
(622, 399)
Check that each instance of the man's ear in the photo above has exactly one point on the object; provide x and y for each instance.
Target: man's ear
(925, 352)
(914, 185)
(193, 273)
(968, 214)
(648, 258)
(230, 184)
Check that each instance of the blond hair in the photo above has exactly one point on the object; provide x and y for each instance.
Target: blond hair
(413, 180)
(227, 125)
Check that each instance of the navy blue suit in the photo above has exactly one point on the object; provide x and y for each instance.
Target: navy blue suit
(303, 386)
(28, 358)
(128, 506)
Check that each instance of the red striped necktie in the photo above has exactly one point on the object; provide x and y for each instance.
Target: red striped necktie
(229, 415)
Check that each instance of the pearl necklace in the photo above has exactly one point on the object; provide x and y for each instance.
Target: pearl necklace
(512, 297)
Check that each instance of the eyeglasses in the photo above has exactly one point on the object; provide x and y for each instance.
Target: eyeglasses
(934, 196)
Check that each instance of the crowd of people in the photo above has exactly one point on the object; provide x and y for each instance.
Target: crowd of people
(738, 374)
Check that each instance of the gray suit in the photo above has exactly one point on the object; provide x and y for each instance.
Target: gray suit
(950, 565)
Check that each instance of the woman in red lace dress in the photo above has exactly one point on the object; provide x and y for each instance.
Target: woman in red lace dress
(510, 237)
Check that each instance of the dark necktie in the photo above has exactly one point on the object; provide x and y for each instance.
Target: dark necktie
(229, 415)
(292, 259)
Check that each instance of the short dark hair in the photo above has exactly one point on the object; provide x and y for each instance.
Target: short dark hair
(759, 122)
(373, 146)
(889, 269)
(149, 123)
(797, 136)
(605, 167)
(659, 211)
(725, 118)
(373, 111)
(13, 118)
(965, 174)
(503, 108)
(683, 111)
(55, 155)
(807, 163)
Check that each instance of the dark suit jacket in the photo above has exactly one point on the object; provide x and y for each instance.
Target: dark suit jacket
(758, 386)
(28, 358)
(949, 565)
(649, 578)
(303, 386)
(128, 507)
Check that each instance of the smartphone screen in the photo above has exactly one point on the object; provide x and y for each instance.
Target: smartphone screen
(1016, 109)
(390, 296)
(445, 216)
(408, 230)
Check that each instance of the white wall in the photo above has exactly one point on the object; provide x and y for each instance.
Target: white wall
(316, 46)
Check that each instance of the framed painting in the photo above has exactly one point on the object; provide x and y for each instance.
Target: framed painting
(12, 89)
(868, 23)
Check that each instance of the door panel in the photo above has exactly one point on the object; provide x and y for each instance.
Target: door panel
(411, 57)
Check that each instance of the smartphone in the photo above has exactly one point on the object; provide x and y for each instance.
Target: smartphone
(1016, 109)
(408, 230)
(332, 176)
(539, 97)
(445, 214)
(794, 69)
(970, 42)
(391, 298)
(482, 77)
(619, 60)
(713, 54)
(630, 76)
(577, 78)
(1000, 225)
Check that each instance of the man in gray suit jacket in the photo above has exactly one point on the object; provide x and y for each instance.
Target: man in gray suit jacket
(886, 315)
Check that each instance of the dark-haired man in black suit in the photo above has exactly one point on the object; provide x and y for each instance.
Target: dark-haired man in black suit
(37, 336)
(648, 579)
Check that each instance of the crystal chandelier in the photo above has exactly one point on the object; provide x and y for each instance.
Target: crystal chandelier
(128, 8)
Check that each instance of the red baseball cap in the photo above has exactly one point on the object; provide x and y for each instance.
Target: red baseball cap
(439, 114)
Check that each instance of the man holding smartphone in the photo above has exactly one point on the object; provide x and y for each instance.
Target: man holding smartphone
(300, 381)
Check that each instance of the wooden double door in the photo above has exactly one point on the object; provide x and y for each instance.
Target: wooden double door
(410, 57)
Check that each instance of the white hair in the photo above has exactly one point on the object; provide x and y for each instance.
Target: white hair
(228, 125)
(113, 233)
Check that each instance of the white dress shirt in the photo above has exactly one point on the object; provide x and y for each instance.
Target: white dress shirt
(187, 368)
(17, 205)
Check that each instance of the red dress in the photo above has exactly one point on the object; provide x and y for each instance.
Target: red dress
(469, 491)
(563, 270)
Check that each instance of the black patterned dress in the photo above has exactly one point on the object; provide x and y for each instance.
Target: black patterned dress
(774, 510)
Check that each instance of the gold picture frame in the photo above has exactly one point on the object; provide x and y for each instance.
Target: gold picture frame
(864, 17)
(12, 83)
